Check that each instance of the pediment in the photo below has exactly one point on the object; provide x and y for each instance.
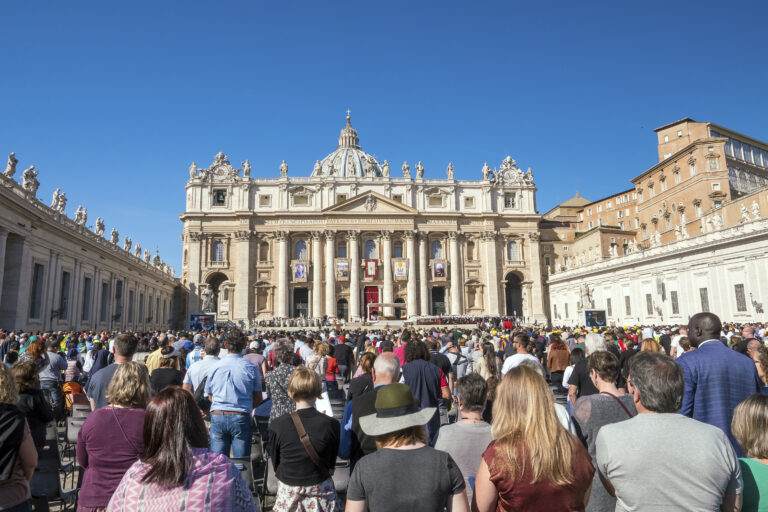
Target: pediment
(370, 202)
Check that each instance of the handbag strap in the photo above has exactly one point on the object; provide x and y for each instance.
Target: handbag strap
(619, 402)
(138, 452)
(304, 438)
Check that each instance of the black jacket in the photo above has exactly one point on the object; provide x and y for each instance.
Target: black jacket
(35, 407)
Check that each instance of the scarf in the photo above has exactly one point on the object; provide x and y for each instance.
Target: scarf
(27, 343)
(11, 436)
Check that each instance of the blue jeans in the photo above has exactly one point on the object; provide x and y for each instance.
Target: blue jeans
(56, 395)
(231, 430)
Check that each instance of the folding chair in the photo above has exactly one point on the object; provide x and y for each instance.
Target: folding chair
(81, 410)
(246, 470)
(268, 483)
(73, 428)
(341, 476)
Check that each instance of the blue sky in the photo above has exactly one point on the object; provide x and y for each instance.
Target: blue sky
(112, 101)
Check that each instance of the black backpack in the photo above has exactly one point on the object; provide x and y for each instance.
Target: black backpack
(201, 398)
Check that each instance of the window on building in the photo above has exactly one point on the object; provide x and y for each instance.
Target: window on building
(565, 248)
(131, 298)
(666, 138)
(370, 250)
(649, 304)
(651, 191)
(589, 211)
(621, 225)
(118, 298)
(608, 308)
(663, 185)
(509, 200)
(692, 168)
(599, 208)
(599, 221)
(340, 198)
(675, 304)
(741, 298)
(219, 197)
(264, 251)
(86, 314)
(217, 251)
(104, 302)
(718, 204)
(581, 216)
(590, 225)
(341, 250)
(627, 306)
(36, 301)
(715, 186)
(469, 202)
(301, 200)
(64, 296)
(265, 200)
(437, 250)
(512, 251)
(677, 177)
(300, 252)
(471, 256)
(149, 309)
(679, 133)
(397, 250)
(554, 306)
(704, 296)
(546, 261)
(620, 214)
(398, 198)
(141, 308)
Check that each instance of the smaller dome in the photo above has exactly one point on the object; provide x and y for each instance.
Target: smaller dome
(349, 160)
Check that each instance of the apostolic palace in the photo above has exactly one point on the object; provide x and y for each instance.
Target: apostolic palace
(360, 239)
(348, 233)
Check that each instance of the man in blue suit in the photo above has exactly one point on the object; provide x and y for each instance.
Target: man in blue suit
(716, 377)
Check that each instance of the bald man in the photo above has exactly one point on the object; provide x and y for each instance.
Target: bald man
(717, 378)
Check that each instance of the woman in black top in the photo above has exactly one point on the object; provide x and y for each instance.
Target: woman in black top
(168, 373)
(303, 483)
(32, 402)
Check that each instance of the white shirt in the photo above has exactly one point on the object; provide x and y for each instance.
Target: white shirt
(514, 360)
(675, 343)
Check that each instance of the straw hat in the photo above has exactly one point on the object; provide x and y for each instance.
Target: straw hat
(396, 409)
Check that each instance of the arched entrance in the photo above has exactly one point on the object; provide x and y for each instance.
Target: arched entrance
(342, 309)
(438, 300)
(214, 284)
(400, 312)
(300, 302)
(513, 293)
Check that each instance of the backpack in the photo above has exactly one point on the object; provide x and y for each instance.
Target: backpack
(201, 398)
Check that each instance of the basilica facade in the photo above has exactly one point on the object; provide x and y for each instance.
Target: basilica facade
(350, 240)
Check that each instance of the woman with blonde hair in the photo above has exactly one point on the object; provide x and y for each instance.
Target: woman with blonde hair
(650, 345)
(750, 428)
(18, 456)
(533, 463)
(318, 361)
(110, 440)
(303, 446)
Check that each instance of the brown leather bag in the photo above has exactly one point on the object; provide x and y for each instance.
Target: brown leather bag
(304, 438)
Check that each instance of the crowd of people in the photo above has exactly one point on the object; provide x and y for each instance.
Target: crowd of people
(434, 418)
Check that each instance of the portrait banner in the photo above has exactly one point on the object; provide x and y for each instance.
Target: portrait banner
(438, 270)
(401, 269)
(300, 272)
(371, 269)
(342, 270)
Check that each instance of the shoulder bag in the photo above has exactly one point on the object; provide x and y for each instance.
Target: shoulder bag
(304, 438)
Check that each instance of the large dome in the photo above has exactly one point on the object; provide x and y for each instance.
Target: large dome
(349, 160)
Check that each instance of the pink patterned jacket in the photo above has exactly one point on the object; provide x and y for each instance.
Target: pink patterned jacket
(214, 484)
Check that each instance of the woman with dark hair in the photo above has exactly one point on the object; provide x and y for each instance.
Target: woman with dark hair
(577, 354)
(489, 364)
(32, 402)
(277, 380)
(557, 361)
(177, 471)
(168, 373)
(364, 382)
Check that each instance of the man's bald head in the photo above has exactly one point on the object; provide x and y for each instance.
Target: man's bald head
(386, 369)
(703, 327)
(752, 346)
(748, 331)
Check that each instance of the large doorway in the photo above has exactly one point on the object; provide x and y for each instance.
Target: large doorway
(214, 284)
(400, 312)
(371, 295)
(300, 302)
(438, 300)
(342, 309)
(514, 295)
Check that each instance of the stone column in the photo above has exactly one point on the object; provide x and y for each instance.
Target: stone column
(491, 274)
(354, 274)
(423, 274)
(194, 244)
(3, 242)
(282, 274)
(537, 287)
(317, 274)
(457, 283)
(243, 309)
(410, 253)
(330, 277)
(386, 245)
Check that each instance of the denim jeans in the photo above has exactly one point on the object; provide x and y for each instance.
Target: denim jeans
(56, 395)
(231, 430)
